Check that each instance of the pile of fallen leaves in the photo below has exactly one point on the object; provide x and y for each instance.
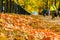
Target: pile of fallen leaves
(46, 24)
(15, 26)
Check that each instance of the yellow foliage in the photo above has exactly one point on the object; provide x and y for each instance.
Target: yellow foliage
(57, 4)
(31, 5)
(51, 8)
(20, 38)
(1, 20)
(3, 38)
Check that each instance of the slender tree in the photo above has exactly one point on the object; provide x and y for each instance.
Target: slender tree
(6, 6)
(1, 5)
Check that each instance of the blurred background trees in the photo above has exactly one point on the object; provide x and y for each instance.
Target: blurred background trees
(29, 5)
